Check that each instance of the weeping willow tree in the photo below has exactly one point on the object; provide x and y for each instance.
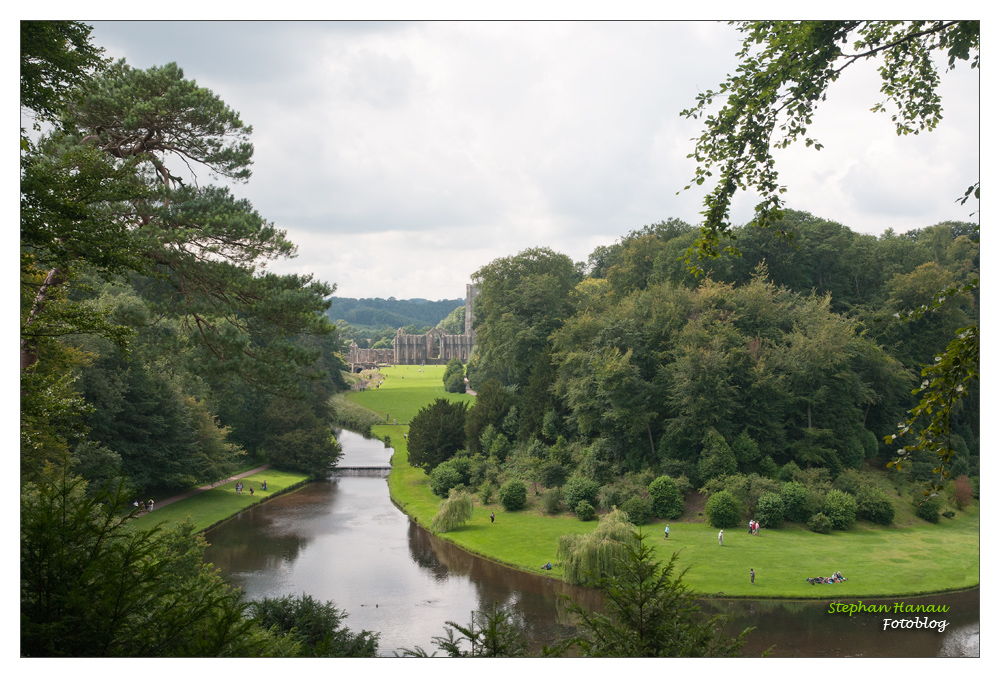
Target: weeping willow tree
(588, 557)
(455, 511)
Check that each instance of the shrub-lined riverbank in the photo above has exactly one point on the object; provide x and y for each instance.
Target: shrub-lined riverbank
(878, 561)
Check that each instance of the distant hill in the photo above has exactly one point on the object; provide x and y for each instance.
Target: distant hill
(379, 314)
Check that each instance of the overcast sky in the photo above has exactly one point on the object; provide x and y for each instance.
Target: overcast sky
(401, 157)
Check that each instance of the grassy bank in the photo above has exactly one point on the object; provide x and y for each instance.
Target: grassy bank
(895, 561)
(214, 506)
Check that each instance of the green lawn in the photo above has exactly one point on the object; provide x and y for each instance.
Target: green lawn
(406, 389)
(877, 561)
(215, 505)
(524, 539)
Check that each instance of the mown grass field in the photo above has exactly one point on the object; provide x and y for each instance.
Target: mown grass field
(918, 558)
(215, 505)
(406, 389)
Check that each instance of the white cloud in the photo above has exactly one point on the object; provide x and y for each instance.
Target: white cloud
(402, 157)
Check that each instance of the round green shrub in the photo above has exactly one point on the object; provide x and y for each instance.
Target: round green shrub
(723, 510)
(770, 510)
(841, 509)
(513, 495)
(585, 511)
(638, 509)
(874, 505)
(444, 477)
(580, 489)
(930, 510)
(666, 498)
(820, 523)
(455, 383)
(795, 497)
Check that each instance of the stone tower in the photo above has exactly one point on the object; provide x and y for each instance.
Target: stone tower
(471, 292)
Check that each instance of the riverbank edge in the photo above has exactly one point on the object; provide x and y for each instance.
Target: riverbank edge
(697, 593)
(284, 490)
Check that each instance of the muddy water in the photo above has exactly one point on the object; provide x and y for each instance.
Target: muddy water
(344, 540)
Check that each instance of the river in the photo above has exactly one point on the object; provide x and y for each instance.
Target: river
(343, 540)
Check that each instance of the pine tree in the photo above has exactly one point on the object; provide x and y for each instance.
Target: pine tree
(650, 613)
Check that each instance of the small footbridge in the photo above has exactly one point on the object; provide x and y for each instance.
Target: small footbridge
(371, 470)
(362, 456)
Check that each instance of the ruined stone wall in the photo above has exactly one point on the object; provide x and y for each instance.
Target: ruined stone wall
(456, 346)
(370, 356)
(434, 347)
(410, 349)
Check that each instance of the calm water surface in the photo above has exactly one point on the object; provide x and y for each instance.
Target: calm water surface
(344, 540)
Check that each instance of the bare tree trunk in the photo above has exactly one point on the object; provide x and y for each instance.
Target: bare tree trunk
(29, 352)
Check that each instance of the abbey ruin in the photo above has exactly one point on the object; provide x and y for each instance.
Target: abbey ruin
(433, 348)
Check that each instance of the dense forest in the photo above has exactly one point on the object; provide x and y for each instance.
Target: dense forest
(379, 314)
(154, 347)
(788, 364)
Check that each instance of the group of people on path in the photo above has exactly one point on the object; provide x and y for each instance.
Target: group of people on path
(143, 505)
(754, 528)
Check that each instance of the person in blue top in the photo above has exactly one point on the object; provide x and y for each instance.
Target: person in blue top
(666, 532)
